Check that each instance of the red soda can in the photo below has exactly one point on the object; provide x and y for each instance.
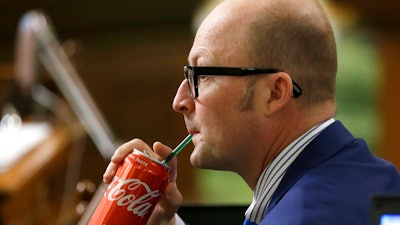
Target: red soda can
(134, 191)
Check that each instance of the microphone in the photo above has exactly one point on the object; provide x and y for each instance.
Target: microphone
(36, 42)
(25, 54)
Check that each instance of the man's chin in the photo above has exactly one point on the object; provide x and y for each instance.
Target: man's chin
(202, 163)
(197, 161)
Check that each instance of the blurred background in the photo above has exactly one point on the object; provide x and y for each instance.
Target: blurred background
(129, 56)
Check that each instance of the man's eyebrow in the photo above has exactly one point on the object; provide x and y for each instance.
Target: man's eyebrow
(193, 58)
(201, 57)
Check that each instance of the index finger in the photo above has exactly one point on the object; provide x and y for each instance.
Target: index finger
(119, 156)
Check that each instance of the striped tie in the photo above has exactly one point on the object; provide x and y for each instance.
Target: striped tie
(248, 222)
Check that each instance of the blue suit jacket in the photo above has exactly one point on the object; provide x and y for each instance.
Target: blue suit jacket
(331, 183)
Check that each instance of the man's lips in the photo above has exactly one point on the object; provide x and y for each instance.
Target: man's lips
(192, 129)
(194, 132)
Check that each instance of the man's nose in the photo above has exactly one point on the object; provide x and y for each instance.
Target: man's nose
(183, 102)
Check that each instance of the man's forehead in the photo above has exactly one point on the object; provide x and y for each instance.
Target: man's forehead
(220, 33)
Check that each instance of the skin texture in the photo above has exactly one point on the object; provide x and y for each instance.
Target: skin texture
(240, 124)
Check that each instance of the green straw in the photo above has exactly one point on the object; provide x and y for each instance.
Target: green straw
(178, 149)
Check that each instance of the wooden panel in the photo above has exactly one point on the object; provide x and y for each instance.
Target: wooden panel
(28, 193)
(389, 45)
(377, 13)
(100, 15)
(6, 79)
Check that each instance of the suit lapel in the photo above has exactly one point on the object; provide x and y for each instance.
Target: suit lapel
(324, 146)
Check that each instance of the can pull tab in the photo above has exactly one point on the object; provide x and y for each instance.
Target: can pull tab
(148, 154)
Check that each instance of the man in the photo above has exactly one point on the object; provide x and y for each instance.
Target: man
(272, 125)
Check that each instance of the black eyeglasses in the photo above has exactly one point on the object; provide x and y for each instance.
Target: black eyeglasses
(192, 74)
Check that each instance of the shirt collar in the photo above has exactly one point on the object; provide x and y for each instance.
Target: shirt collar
(270, 178)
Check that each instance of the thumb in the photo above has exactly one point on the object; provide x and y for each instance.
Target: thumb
(161, 149)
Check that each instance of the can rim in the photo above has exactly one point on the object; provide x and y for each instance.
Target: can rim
(146, 154)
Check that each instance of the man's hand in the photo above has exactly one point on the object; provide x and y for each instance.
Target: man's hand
(167, 206)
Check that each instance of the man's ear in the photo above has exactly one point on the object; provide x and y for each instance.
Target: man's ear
(280, 91)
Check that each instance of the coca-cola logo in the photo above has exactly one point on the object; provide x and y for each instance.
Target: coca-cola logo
(133, 194)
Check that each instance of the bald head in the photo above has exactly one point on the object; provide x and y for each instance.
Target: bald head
(296, 36)
(223, 36)
(291, 35)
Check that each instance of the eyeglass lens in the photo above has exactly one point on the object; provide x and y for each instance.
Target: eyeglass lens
(189, 75)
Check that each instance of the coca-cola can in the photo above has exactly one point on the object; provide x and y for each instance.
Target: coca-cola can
(134, 191)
